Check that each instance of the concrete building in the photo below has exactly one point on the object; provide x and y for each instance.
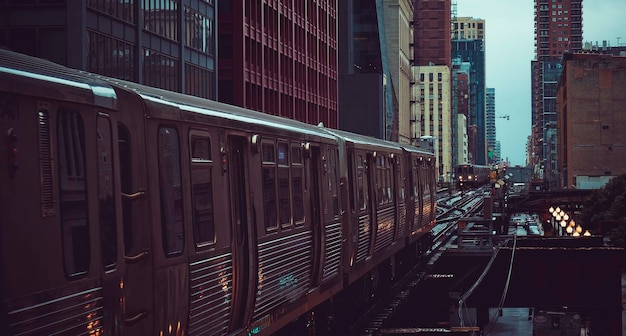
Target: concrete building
(169, 44)
(435, 119)
(558, 29)
(490, 125)
(591, 122)
(280, 58)
(468, 28)
(374, 67)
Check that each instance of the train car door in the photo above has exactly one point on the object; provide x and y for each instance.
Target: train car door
(244, 262)
(138, 285)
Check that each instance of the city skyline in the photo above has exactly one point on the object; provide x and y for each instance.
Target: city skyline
(509, 46)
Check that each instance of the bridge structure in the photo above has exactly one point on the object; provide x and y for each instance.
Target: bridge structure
(541, 201)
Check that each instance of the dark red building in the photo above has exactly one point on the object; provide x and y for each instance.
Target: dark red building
(431, 33)
(280, 57)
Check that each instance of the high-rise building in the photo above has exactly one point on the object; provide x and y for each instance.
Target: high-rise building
(280, 58)
(591, 123)
(169, 44)
(490, 125)
(558, 29)
(374, 67)
(433, 90)
(460, 111)
(473, 52)
(431, 33)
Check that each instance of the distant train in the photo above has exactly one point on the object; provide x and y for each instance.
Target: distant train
(472, 176)
(130, 210)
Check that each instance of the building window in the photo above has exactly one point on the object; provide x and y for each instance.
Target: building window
(199, 81)
(110, 57)
(199, 32)
(161, 17)
(161, 71)
(123, 10)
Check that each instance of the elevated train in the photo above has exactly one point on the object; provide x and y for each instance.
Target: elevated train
(472, 176)
(130, 210)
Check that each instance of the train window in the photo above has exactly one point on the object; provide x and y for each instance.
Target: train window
(284, 198)
(332, 179)
(361, 183)
(297, 183)
(73, 193)
(200, 149)
(125, 155)
(108, 227)
(269, 186)
(202, 188)
(170, 191)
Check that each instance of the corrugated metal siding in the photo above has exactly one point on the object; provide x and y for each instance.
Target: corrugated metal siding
(211, 293)
(284, 271)
(77, 313)
(384, 231)
(401, 219)
(364, 237)
(333, 250)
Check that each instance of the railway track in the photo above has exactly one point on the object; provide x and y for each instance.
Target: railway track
(450, 209)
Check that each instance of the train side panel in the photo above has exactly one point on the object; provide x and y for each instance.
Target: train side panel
(61, 257)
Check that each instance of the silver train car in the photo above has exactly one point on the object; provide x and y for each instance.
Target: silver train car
(130, 210)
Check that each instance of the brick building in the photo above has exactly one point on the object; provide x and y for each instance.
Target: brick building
(591, 120)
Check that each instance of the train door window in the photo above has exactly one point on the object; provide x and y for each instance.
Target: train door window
(125, 158)
(361, 182)
(297, 183)
(269, 185)
(416, 173)
(108, 231)
(383, 178)
(284, 198)
(332, 179)
(202, 188)
(351, 182)
(170, 191)
(73, 193)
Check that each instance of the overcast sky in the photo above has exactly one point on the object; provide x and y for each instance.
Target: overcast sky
(509, 46)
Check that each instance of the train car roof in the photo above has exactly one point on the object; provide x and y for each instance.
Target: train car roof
(363, 140)
(29, 75)
(213, 108)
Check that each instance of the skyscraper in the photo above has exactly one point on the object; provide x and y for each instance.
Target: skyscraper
(490, 113)
(473, 52)
(558, 29)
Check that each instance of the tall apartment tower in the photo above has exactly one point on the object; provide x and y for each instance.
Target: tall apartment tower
(280, 57)
(558, 29)
(169, 44)
(490, 113)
